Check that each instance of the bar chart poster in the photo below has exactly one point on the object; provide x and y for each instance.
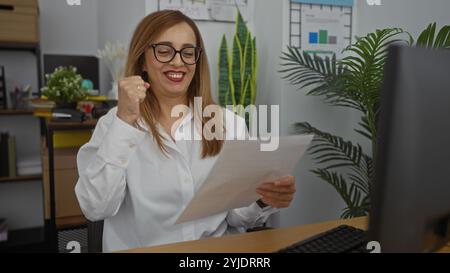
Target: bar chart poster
(325, 30)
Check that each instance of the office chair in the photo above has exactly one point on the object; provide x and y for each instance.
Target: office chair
(95, 236)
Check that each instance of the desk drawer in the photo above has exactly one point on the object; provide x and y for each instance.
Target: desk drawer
(66, 176)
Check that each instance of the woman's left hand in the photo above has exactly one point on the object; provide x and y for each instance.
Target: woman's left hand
(278, 193)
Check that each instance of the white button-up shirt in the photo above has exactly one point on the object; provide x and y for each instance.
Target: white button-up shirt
(126, 180)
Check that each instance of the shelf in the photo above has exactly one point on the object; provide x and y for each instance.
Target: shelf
(33, 239)
(24, 239)
(13, 112)
(71, 125)
(19, 46)
(20, 178)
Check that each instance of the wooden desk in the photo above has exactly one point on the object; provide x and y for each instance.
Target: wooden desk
(256, 242)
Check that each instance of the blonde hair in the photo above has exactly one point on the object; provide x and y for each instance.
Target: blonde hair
(147, 30)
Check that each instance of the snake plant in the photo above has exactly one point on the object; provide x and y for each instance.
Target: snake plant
(237, 69)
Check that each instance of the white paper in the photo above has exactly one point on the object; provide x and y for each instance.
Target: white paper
(239, 170)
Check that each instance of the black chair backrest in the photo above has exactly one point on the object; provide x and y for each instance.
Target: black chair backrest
(95, 236)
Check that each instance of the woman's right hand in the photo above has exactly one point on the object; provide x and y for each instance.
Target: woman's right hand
(132, 91)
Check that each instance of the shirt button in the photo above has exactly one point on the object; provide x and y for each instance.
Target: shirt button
(131, 145)
(123, 161)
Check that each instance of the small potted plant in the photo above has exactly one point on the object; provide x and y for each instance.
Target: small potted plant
(64, 87)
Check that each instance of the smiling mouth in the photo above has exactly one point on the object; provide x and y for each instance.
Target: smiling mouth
(175, 76)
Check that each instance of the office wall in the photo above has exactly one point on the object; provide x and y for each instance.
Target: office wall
(117, 20)
(411, 15)
(68, 29)
(268, 23)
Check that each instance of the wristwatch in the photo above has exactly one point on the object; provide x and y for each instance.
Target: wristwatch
(261, 204)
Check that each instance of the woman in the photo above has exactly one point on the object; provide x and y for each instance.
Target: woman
(134, 174)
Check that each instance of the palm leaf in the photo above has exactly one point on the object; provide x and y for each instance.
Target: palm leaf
(366, 130)
(428, 39)
(352, 196)
(322, 75)
(365, 73)
(366, 65)
(327, 144)
(335, 153)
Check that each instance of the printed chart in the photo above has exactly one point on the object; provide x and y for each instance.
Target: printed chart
(320, 29)
(207, 10)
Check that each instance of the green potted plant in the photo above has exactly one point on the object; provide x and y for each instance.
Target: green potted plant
(64, 87)
(238, 69)
(353, 82)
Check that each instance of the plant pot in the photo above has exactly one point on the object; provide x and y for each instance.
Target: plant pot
(113, 94)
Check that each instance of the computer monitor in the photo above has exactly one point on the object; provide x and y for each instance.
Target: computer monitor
(411, 193)
(87, 66)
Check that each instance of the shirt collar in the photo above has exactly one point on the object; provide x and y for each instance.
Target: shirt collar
(188, 117)
(188, 120)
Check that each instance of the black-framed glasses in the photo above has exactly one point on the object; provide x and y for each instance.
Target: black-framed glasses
(166, 53)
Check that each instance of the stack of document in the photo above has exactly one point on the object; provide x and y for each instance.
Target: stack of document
(30, 165)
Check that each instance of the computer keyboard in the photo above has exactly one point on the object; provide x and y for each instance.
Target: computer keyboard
(343, 239)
